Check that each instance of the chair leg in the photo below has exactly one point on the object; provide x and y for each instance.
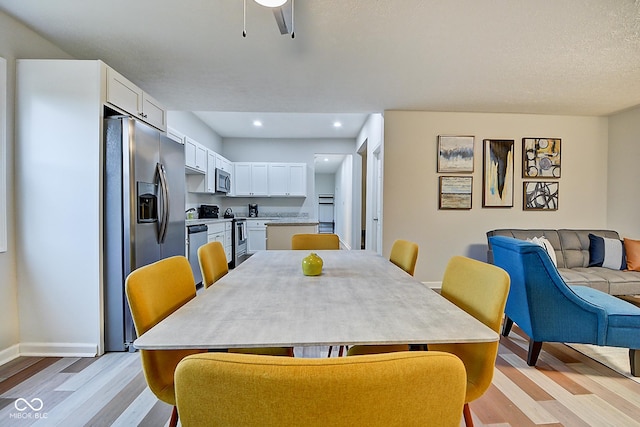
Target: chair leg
(506, 326)
(330, 348)
(174, 417)
(468, 420)
(634, 361)
(534, 352)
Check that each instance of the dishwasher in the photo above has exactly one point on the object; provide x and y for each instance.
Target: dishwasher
(196, 237)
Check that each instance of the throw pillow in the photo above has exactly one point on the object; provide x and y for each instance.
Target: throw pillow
(632, 251)
(546, 244)
(607, 253)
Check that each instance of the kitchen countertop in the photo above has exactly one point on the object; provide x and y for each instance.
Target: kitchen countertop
(206, 221)
(268, 220)
(281, 222)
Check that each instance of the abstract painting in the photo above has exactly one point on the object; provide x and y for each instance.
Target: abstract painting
(540, 157)
(540, 196)
(455, 192)
(497, 190)
(455, 154)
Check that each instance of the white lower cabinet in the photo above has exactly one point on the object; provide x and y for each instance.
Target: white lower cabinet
(221, 232)
(256, 235)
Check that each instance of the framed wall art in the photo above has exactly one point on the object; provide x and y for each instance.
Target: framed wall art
(455, 192)
(540, 196)
(497, 185)
(541, 157)
(455, 154)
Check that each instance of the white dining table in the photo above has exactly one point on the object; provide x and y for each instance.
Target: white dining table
(360, 298)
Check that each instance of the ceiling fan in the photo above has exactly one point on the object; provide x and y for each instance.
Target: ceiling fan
(282, 11)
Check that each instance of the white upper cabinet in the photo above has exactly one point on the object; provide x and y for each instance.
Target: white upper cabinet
(123, 94)
(211, 172)
(288, 179)
(250, 179)
(195, 156)
(223, 163)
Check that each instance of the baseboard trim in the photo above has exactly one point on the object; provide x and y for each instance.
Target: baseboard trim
(8, 354)
(59, 349)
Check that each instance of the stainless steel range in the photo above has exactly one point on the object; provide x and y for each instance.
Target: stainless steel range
(239, 239)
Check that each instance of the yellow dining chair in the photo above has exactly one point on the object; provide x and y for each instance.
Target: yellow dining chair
(213, 265)
(154, 292)
(401, 389)
(315, 241)
(404, 254)
(481, 290)
(213, 262)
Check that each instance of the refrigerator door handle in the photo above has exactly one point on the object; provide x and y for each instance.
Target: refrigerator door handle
(164, 222)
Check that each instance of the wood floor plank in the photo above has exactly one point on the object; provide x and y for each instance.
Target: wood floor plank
(110, 389)
(610, 389)
(159, 415)
(26, 373)
(563, 414)
(46, 379)
(86, 396)
(103, 364)
(495, 407)
(16, 365)
(117, 405)
(137, 410)
(523, 382)
(80, 365)
(587, 407)
(530, 407)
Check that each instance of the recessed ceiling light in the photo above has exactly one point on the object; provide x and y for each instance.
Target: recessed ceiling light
(257, 123)
(326, 160)
(337, 124)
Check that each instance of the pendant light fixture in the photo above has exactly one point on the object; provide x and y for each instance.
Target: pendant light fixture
(282, 13)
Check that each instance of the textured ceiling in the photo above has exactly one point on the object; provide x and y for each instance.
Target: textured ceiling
(577, 57)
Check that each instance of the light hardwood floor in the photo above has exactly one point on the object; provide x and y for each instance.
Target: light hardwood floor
(566, 388)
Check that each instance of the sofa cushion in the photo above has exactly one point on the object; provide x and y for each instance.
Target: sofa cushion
(550, 235)
(583, 276)
(632, 250)
(546, 244)
(575, 245)
(606, 252)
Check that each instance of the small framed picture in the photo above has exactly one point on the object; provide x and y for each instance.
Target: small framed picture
(455, 192)
(540, 196)
(455, 154)
(541, 157)
(497, 185)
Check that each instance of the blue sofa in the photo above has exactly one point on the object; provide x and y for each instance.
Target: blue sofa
(546, 309)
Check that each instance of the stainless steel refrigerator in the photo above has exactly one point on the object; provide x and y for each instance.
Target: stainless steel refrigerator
(144, 221)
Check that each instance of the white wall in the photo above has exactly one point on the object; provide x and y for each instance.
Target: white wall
(372, 135)
(411, 181)
(624, 173)
(345, 201)
(16, 41)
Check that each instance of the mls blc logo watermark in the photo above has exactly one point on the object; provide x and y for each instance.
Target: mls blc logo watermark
(28, 409)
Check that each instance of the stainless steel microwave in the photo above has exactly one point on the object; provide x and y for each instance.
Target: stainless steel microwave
(223, 181)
